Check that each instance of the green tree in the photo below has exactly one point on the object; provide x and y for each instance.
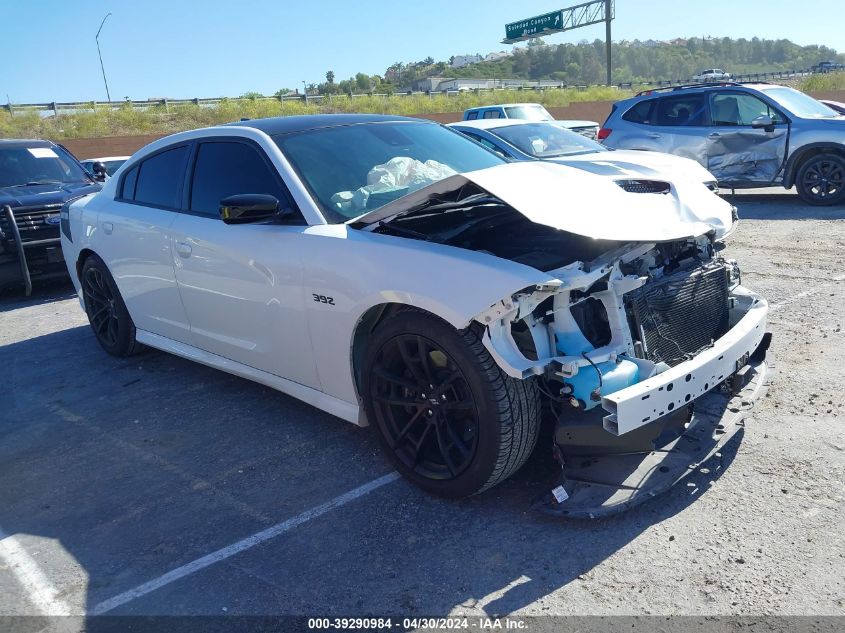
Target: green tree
(362, 82)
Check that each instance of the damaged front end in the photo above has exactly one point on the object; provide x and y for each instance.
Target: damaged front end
(641, 340)
(646, 355)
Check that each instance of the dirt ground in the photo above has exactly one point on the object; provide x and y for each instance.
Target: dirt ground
(115, 472)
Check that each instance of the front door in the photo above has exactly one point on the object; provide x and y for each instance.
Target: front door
(738, 152)
(241, 285)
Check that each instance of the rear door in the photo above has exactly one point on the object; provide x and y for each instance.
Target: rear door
(133, 238)
(679, 125)
(241, 285)
(738, 152)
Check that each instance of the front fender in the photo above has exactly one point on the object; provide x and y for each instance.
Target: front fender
(357, 271)
(796, 157)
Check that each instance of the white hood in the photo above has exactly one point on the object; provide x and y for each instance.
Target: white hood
(583, 203)
(631, 163)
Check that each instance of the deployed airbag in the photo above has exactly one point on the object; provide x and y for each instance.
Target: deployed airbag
(399, 174)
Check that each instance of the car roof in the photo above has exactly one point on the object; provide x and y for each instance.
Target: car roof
(104, 159)
(492, 124)
(504, 105)
(674, 91)
(301, 123)
(25, 142)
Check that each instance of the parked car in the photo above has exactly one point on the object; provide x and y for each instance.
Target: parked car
(745, 134)
(36, 179)
(529, 112)
(712, 74)
(530, 140)
(392, 272)
(111, 163)
(836, 106)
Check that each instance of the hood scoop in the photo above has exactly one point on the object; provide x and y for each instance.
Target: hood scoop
(645, 186)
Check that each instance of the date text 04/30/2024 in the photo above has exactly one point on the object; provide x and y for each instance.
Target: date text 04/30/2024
(459, 623)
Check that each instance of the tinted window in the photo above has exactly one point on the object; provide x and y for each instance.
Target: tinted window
(472, 116)
(491, 114)
(684, 110)
(128, 190)
(159, 178)
(227, 168)
(640, 113)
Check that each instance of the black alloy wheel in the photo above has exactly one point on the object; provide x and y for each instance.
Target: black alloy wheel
(107, 313)
(99, 304)
(425, 407)
(821, 180)
(447, 416)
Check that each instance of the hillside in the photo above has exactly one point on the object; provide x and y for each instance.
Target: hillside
(633, 61)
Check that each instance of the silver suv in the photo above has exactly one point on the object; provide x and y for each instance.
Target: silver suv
(746, 135)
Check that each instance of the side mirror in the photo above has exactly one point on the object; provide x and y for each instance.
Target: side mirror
(100, 173)
(248, 207)
(765, 122)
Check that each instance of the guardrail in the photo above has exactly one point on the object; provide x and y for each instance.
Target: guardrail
(56, 107)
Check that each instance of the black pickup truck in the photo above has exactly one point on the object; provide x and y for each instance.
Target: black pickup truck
(36, 179)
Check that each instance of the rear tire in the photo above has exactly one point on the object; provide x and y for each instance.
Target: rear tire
(820, 180)
(107, 313)
(449, 419)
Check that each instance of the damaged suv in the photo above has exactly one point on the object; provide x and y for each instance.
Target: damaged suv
(747, 135)
(396, 274)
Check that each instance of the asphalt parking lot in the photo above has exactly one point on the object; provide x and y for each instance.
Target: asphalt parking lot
(158, 486)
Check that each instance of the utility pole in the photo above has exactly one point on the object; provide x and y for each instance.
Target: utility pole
(608, 9)
(103, 68)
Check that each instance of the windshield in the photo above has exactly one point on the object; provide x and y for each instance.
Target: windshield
(800, 104)
(353, 169)
(531, 112)
(21, 166)
(112, 166)
(546, 140)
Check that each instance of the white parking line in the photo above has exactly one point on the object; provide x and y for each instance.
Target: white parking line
(242, 545)
(39, 590)
(806, 293)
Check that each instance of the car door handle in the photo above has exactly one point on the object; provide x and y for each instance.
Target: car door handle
(714, 135)
(108, 227)
(655, 135)
(183, 249)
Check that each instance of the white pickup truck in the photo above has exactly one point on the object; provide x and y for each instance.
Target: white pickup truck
(712, 74)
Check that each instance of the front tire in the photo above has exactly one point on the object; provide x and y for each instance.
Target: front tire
(821, 180)
(449, 419)
(106, 310)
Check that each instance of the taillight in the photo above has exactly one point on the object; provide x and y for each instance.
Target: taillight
(604, 133)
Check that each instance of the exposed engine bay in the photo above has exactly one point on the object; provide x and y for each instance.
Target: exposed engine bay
(623, 339)
(617, 314)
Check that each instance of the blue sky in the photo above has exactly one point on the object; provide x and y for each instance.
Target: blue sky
(208, 48)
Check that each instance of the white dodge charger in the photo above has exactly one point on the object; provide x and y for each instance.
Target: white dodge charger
(394, 273)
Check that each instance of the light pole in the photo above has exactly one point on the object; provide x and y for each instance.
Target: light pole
(103, 68)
